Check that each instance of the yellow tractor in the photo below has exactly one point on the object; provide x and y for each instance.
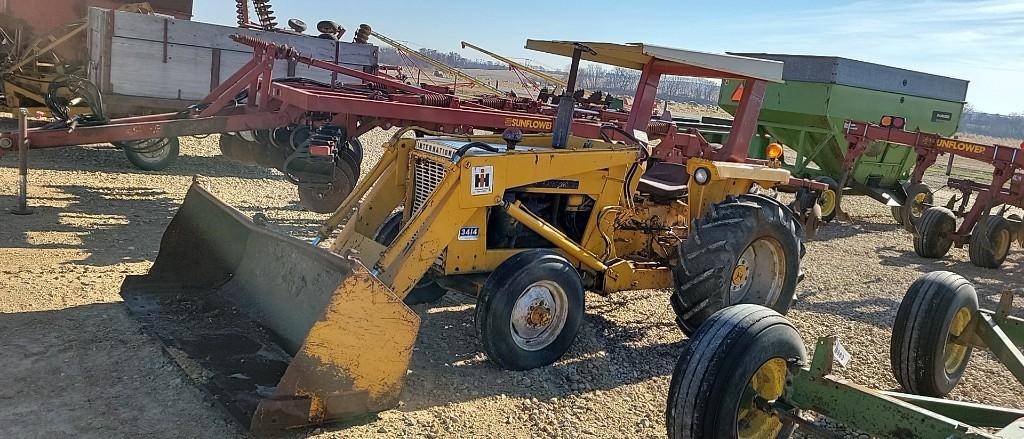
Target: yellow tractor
(289, 334)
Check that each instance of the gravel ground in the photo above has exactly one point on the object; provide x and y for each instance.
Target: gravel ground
(78, 365)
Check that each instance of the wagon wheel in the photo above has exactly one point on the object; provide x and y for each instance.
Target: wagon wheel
(897, 214)
(761, 348)
(829, 198)
(919, 199)
(926, 356)
(151, 154)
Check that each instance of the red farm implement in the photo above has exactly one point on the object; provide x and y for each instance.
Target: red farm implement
(985, 228)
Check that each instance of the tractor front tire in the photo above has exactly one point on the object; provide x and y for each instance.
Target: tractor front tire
(746, 249)
(427, 290)
(990, 241)
(529, 310)
(741, 352)
(924, 356)
(932, 238)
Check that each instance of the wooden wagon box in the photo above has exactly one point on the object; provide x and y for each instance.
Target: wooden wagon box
(151, 63)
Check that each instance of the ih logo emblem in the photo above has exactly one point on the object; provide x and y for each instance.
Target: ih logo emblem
(483, 180)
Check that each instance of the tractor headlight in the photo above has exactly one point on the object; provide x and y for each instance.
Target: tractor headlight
(702, 175)
(773, 151)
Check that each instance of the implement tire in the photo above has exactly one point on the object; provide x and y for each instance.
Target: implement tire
(746, 249)
(931, 240)
(529, 310)
(919, 197)
(741, 352)
(990, 241)
(152, 154)
(427, 289)
(938, 307)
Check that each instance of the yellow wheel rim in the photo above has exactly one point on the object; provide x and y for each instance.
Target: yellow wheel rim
(917, 207)
(768, 383)
(827, 202)
(954, 354)
(1002, 243)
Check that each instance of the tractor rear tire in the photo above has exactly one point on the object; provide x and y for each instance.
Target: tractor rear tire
(742, 351)
(990, 241)
(427, 290)
(931, 240)
(327, 198)
(746, 249)
(529, 310)
(938, 307)
(152, 154)
(829, 200)
(919, 198)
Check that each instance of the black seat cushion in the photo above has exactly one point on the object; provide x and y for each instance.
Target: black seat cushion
(664, 181)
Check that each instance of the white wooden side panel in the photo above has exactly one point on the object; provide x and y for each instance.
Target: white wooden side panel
(191, 33)
(138, 69)
(96, 39)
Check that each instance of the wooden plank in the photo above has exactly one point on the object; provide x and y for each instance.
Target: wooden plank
(190, 33)
(138, 70)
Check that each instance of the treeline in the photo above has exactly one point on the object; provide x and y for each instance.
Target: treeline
(389, 55)
(623, 82)
(995, 125)
(617, 81)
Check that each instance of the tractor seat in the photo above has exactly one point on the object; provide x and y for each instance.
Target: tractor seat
(664, 181)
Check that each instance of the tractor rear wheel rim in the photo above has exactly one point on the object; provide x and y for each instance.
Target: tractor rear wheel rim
(539, 315)
(762, 265)
(954, 354)
(766, 385)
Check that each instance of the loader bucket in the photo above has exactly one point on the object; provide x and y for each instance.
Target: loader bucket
(282, 333)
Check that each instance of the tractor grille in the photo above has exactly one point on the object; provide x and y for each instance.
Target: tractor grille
(427, 175)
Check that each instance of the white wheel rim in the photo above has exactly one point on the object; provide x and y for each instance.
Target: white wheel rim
(760, 267)
(539, 315)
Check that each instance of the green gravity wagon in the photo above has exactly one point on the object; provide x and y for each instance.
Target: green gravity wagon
(808, 111)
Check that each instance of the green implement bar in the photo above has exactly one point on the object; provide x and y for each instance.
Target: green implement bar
(874, 412)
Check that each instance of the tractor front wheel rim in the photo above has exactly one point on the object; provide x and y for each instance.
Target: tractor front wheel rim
(539, 315)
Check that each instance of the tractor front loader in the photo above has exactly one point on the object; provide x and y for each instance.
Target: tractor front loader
(286, 334)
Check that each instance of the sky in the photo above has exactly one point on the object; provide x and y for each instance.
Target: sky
(978, 40)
